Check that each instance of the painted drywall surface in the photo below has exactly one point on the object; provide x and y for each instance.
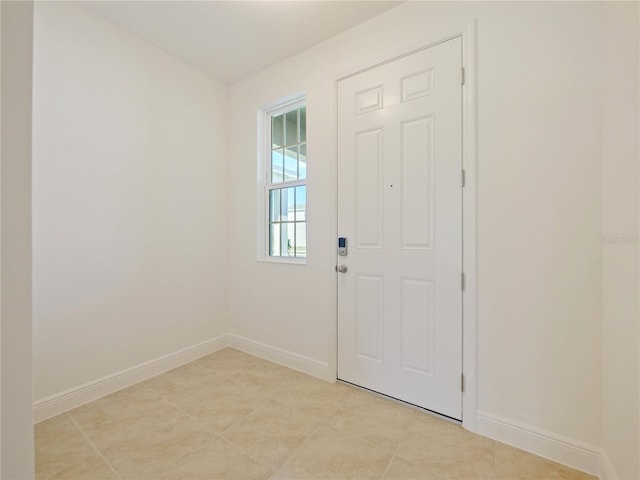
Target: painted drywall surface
(538, 202)
(129, 208)
(620, 154)
(16, 435)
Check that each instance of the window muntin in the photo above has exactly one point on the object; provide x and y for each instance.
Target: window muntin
(286, 182)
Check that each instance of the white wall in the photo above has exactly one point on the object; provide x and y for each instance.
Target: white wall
(538, 203)
(129, 203)
(16, 414)
(620, 154)
(123, 278)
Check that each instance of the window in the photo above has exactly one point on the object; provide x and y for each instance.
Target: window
(286, 181)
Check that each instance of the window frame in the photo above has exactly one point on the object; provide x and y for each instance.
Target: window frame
(265, 186)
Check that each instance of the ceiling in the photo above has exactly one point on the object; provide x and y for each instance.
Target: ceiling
(231, 40)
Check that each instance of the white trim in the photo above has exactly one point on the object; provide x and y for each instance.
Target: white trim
(465, 28)
(283, 102)
(263, 123)
(289, 103)
(310, 366)
(469, 239)
(558, 448)
(468, 33)
(77, 396)
(289, 260)
(608, 470)
(549, 445)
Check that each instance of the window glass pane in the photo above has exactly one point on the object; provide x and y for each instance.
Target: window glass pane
(277, 165)
(302, 167)
(301, 203)
(288, 207)
(274, 240)
(287, 232)
(291, 127)
(291, 163)
(277, 131)
(303, 124)
(301, 240)
(274, 205)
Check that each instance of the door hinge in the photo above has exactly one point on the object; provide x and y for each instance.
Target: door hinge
(462, 382)
(462, 281)
(463, 178)
(462, 76)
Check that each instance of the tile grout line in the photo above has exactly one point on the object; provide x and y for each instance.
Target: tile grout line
(181, 410)
(215, 435)
(393, 452)
(268, 397)
(368, 442)
(325, 424)
(93, 445)
(259, 384)
(237, 447)
(218, 435)
(388, 466)
(270, 394)
(298, 449)
(264, 400)
(184, 458)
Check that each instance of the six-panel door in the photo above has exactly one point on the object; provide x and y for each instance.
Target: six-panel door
(400, 207)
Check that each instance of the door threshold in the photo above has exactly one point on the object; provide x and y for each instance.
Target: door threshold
(403, 403)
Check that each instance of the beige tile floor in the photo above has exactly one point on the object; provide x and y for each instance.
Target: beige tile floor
(232, 416)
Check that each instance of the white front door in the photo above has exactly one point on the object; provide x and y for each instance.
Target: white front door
(400, 209)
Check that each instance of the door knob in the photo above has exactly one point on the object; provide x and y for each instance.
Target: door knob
(342, 269)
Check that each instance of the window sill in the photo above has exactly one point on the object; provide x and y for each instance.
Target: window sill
(287, 260)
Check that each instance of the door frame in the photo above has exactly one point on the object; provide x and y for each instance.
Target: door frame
(469, 311)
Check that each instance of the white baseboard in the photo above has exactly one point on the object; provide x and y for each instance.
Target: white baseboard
(608, 470)
(61, 402)
(298, 362)
(557, 448)
(64, 401)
